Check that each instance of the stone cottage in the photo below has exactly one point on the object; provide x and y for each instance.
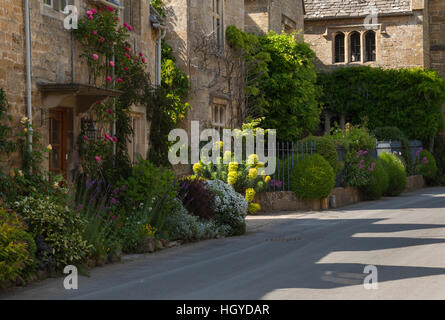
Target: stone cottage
(196, 31)
(387, 34)
(58, 77)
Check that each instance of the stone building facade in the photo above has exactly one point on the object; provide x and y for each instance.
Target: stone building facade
(262, 16)
(196, 32)
(388, 34)
(60, 91)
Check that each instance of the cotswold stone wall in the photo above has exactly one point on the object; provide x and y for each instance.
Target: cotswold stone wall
(262, 16)
(399, 41)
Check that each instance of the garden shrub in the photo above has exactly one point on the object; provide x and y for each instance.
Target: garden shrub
(150, 186)
(61, 229)
(327, 149)
(358, 168)
(230, 208)
(378, 183)
(17, 247)
(197, 198)
(353, 138)
(396, 173)
(313, 178)
(395, 134)
(184, 226)
(426, 165)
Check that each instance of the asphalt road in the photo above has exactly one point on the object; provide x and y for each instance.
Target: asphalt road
(289, 256)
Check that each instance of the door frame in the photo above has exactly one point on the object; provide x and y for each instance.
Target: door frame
(63, 139)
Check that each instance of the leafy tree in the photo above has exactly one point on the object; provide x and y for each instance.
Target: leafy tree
(291, 93)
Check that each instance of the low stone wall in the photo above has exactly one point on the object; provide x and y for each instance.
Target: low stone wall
(345, 196)
(414, 183)
(287, 201)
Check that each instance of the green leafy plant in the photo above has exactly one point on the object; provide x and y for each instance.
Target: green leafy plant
(353, 138)
(358, 168)
(282, 81)
(395, 134)
(426, 165)
(409, 99)
(17, 248)
(327, 149)
(312, 178)
(378, 184)
(61, 228)
(396, 173)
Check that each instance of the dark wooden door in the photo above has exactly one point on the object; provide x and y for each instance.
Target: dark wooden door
(58, 141)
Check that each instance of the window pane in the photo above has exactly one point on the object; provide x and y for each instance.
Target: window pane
(370, 46)
(355, 47)
(55, 157)
(55, 131)
(340, 48)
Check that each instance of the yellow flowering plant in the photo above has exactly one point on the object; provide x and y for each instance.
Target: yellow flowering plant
(246, 177)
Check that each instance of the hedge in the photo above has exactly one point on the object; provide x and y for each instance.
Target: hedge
(409, 99)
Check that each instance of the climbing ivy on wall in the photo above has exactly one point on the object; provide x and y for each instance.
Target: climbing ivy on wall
(410, 99)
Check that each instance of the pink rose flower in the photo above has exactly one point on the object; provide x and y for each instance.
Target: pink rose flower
(90, 17)
(130, 28)
(89, 13)
(98, 159)
(125, 68)
(85, 137)
(109, 79)
(110, 9)
(107, 136)
(94, 11)
(141, 54)
(95, 56)
(114, 139)
(95, 32)
(143, 60)
(127, 49)
(112, 63)
(110, 111)
(119, 80)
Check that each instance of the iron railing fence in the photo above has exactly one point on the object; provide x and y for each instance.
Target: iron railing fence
(289, 153)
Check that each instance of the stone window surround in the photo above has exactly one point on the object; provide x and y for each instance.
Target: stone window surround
(348, 30)
(219, 101)
(49, 11)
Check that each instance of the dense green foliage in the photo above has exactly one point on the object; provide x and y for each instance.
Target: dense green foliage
(313, 178)
(17, 247)
(395, 134)
(353, 138)
(426, 165)
(378, 184)
(61, 229)
(327, 149)
(396, 173)
(285, 91)
(409, 99)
